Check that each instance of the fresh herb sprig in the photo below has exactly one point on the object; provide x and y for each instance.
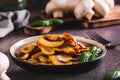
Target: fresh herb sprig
(114, 75)
(47, 22)
(93, 53)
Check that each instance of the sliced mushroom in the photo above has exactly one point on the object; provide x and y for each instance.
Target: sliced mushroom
(71, 41)
(66, 49)
(66, 58)
(47, 50)
(49, 43)
(53, 37)
(54, 60)
(35, 57)
(82, 44)
(23, 56)
(27, 48)
(44, 59)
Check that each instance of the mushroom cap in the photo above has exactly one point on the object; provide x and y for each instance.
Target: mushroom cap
(102, 7)
(4, 62)
(54, 5)
(83, 8)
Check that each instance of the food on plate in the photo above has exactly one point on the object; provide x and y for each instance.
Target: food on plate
(80, 8)
(43, 40)
(55, 49)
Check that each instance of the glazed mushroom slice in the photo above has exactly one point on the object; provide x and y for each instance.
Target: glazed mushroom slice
(22, 55)
(47, 50)
(71, 41)
(43, 41)
(27, 48)
(44, 59)
(25, 51)
(65, 49)
(66, 58)
(55, 61)
(35, 57)
(53, 37)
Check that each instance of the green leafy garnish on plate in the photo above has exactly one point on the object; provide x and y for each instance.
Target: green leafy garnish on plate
(93, 53)
(85, 57)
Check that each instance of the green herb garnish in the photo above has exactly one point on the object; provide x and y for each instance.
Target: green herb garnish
(115, 75)
(93, 53)
(47, 22)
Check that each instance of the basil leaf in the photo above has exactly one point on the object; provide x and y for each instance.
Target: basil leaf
(95, 51)
(112, 76)
(47, 22)
(41, 23)
(57, 21)
(85, 57)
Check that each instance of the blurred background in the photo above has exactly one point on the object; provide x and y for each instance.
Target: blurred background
(41, 3)
(6, 5)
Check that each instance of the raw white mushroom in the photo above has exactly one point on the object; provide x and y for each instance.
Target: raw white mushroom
(56, 7)
(71, 4)
(80, 8)
(4, 65)
(84, 9)
(101, 7)
(110, 3)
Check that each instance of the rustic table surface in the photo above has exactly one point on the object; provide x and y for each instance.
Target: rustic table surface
(110, 63)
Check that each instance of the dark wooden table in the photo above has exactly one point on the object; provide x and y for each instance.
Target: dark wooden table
(110, 63)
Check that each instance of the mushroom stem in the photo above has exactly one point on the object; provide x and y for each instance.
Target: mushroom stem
(90, 14)
(58, 14)
(3, 76)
